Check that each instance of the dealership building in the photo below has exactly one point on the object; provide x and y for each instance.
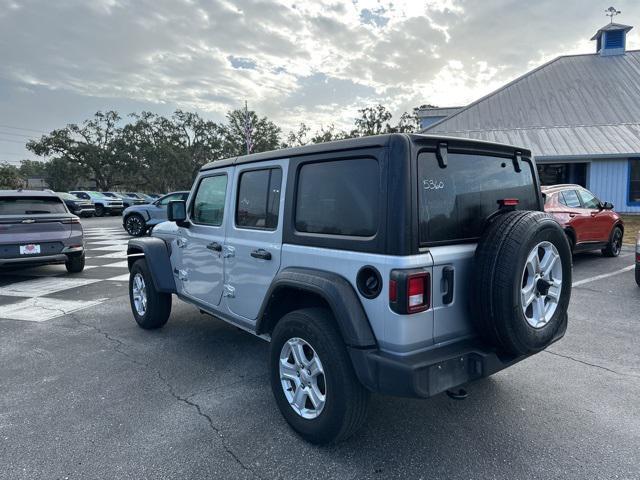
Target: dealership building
(578, 114)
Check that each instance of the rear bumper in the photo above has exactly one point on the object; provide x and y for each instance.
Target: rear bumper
(434, 371)
(41, 260)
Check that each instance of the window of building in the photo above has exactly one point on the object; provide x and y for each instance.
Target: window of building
(634, 180)
(339, 198)
(208, 204)
(259, 199)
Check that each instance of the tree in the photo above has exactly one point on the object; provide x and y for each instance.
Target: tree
(373, 121)
(408, 123)
(297, 138)
(10, 177)
(95, 146)
(61, 174)
(330, 134)
(265, 135)
(31, 168)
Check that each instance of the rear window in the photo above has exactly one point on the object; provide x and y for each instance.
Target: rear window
(31, 205)
(339, 198)
(456, 200)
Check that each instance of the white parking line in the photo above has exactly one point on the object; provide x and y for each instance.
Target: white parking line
(604, 275)
(43, 286)
(43, 309)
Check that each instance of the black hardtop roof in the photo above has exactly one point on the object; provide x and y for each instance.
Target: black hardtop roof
(26, 193)
(366, 142)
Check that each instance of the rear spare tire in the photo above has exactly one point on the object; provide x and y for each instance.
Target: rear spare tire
(522, 281)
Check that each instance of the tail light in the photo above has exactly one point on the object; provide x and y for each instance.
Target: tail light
(71, 220)
(409, 291)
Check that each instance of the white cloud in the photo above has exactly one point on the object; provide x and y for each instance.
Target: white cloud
(314, 61)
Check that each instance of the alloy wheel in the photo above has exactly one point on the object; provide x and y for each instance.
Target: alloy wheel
(541, 284)
(302, 378)
(134, 225)
(139, 294)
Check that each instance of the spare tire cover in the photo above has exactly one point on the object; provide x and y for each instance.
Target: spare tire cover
(522, 281)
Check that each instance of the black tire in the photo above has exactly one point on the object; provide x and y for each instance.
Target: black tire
(99, 210)
(615, 243)
(135, 225)
(158, 304)
(638, 274)
(75, 264)
(346, 402)
(500, 276)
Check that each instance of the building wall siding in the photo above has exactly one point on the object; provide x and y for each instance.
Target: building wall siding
(609, 181)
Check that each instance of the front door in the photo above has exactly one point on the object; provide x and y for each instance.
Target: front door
(200, 266)
(254, 236)
(600, 220)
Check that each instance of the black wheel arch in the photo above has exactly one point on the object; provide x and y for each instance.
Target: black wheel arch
(157, 253)
(294, 288)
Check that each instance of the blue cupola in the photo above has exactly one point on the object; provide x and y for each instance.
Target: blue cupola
(611, 39)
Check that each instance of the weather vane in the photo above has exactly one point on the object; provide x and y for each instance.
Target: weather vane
(612, 12)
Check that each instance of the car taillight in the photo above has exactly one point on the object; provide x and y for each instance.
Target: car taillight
(409, 291)
(71, 220)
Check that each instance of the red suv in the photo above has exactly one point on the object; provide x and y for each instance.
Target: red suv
(589, 223)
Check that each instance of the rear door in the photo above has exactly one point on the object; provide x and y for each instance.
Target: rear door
(454, 202)
(200, 262)
(254, 236)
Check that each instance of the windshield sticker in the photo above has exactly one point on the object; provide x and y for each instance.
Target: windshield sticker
(431, 184)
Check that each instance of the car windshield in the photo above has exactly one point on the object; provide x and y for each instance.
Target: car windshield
(110, 194)
(67, 196)
(96, 194)
(132, 195)
(31, 205)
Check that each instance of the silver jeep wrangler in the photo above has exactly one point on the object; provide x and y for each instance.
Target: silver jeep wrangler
(402, 264)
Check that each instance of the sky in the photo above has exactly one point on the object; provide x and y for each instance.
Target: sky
(315, 61)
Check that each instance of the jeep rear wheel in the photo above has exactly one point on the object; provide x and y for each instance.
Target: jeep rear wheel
(522, 282)
(312, 377)
(150, 308)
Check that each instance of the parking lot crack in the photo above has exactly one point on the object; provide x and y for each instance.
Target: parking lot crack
(212, 426)
(568, 357)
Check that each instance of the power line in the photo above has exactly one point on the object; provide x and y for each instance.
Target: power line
(25, 129)
(16, 134)
(11, 141)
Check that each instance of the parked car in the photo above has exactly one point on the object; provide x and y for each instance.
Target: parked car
(76, 205)
(638, 259)
(136, 195)
(150, 197)
(127, 201)
(102, 203)
(402, 264)
(137, 220)
(589, 223)
(37, 228)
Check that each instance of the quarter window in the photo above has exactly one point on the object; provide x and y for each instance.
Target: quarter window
(634, 180)
(208, 204)
(339, 198)
(259, 199)
(571, 199)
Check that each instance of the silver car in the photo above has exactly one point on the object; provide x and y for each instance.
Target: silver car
(36, 228)
(138, 219)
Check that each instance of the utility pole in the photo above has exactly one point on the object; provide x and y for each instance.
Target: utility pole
(248, 129)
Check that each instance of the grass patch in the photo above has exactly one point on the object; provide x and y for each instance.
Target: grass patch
(631, 228)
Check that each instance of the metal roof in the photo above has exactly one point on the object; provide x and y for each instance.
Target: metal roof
(573, 106)
(437, 111)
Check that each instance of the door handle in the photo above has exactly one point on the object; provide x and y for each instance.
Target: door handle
(261, 253)
(572, 215)
(447, 276)
(593, 214)
(215, 246)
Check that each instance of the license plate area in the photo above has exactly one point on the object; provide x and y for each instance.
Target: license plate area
(30, 249)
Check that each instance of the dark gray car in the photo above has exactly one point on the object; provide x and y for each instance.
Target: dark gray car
(36, 228)
(138, 219)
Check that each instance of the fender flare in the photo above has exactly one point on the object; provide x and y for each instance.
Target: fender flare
(157, 253)
(332, 288)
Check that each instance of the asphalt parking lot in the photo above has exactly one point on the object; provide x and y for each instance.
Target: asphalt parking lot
(87, 394)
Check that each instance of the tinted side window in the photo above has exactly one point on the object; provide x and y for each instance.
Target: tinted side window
(338, 197)
(259, 199)
(571, 199)
(456, 200)
(208, 204)
(589, 200)
(170, 198)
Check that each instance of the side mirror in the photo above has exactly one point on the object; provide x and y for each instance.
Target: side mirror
(607, 206)
(177, 212)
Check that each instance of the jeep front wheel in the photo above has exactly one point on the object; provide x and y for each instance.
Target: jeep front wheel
(312, 378)
(150, 308)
